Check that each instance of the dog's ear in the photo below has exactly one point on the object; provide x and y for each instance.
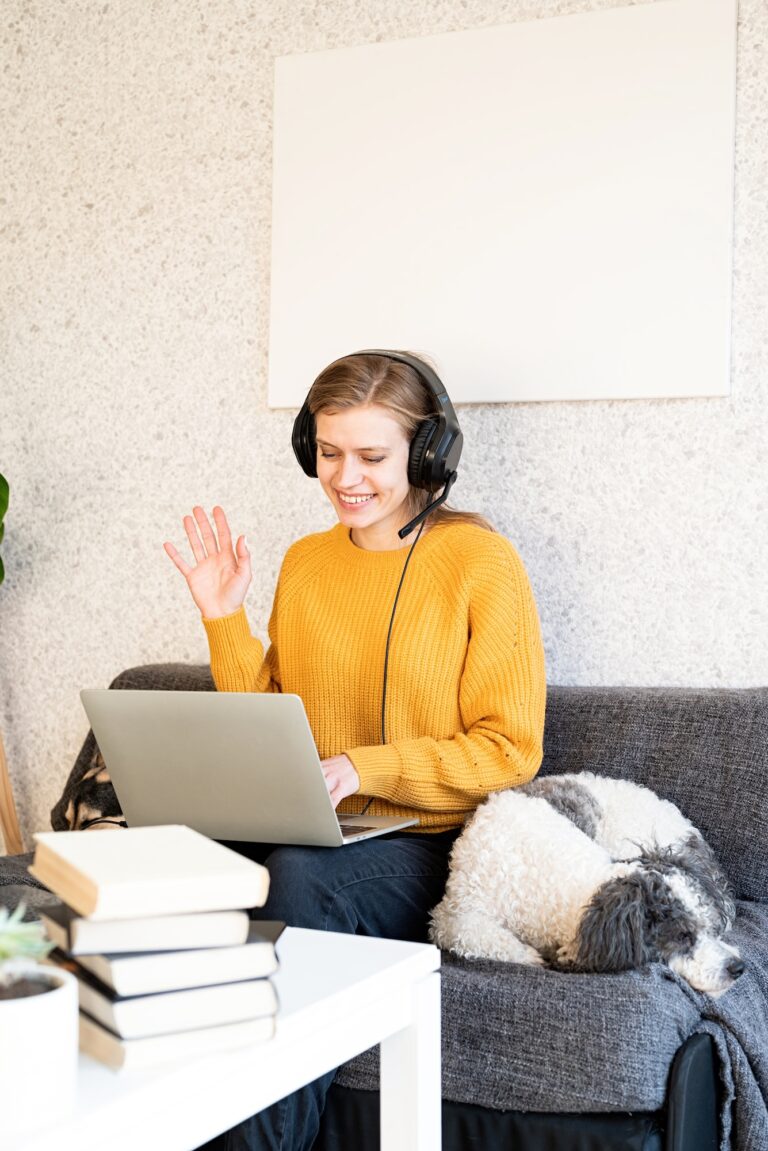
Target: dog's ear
(694, 858)
(700, 861)
(613, 933)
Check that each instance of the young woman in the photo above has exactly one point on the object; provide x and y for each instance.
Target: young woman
(419, 661)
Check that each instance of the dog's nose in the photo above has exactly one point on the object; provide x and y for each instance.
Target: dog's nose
(735, 968)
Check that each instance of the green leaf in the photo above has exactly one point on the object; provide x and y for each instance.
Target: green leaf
(3, 510)
(20, 940)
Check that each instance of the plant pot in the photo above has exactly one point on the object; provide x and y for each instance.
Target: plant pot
(38, 1054)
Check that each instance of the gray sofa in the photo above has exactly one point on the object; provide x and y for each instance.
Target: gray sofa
(548, 1061)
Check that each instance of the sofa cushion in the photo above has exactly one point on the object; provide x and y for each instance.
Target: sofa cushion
(518, 1038)
(18, 886)
(704, 749)
(13, 871)
(33, 898)
(612, 1038)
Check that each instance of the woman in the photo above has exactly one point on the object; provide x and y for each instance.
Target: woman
(423, 681)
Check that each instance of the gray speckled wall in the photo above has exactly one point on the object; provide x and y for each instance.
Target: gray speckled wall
(134, 260)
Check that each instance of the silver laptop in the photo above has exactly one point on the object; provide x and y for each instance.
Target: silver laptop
(232, 765)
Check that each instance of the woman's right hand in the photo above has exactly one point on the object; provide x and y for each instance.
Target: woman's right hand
(221, 574)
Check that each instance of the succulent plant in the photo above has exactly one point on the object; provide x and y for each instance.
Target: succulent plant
(20, 944)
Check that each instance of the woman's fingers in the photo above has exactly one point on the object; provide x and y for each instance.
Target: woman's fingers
(183, 567)
(331, 779)
(206, 531)
(341, 778)
(190, 527)
(222, 527)
(228, 570)
(242, 555)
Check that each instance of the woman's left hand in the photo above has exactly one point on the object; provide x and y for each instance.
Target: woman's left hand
(340, 777)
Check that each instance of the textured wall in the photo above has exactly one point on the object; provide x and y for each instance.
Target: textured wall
(134, 267)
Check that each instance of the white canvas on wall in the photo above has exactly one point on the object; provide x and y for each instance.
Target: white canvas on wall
(545, 207)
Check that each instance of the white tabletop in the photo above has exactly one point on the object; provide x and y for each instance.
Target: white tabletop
(339, 994)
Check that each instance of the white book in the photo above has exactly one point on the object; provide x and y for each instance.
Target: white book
(139, 1054)
(139, 1016)
(145, 871)
(80, 936)
(151, 971)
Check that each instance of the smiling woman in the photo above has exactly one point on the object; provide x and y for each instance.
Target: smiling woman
(419, 711)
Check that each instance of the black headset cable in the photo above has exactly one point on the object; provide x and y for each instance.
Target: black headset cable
(386, 653)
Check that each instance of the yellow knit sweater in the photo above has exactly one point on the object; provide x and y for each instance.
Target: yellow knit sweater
(465, 685)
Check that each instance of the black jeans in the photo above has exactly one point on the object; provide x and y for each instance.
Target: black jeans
(383, 887)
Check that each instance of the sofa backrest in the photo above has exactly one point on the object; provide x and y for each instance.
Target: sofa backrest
(166, 677)
(704, 749)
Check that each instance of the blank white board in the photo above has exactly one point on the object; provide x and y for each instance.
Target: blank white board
(543, 207)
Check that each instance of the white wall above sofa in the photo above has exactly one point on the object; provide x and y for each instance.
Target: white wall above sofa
(547, 205)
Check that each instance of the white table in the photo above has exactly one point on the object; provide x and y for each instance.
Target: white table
(339, 995)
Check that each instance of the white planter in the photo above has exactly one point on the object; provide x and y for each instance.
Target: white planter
(38, 1055)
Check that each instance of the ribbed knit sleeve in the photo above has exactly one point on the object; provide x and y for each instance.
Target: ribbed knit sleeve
(502, 696)
(238, 662)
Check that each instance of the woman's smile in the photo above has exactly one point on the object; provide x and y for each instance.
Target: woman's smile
(355, 500)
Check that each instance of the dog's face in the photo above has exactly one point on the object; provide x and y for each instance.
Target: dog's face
(663, 907)
(698, 891)
(712, 966)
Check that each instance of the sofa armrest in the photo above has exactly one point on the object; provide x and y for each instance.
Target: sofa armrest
(692, 1099)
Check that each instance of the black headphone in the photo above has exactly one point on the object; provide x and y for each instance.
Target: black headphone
(435, 448)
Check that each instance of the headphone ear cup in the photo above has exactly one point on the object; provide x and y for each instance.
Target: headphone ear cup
(417, 454)
(303, 441)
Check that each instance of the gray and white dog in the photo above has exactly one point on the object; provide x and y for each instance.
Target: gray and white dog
(588, 874)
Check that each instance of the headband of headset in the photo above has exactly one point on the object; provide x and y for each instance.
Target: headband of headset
(435, 448)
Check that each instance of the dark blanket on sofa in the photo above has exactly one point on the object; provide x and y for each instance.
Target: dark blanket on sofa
(738, 1022)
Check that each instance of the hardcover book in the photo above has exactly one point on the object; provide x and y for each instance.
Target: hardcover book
(147, 972)
(139, 1016)
(146, 871)
(80, 936)
(137, 1054)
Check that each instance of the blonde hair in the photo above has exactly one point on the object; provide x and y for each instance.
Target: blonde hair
(364, 379)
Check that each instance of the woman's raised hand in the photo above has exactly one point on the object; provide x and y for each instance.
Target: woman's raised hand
(221, 574)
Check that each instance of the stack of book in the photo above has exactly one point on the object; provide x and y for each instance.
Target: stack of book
(154, 924)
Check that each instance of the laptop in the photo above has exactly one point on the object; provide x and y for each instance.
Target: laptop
(232, 765)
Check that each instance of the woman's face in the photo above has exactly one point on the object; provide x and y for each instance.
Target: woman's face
(362, 463)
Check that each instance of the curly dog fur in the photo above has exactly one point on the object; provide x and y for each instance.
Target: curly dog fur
(588, 874)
